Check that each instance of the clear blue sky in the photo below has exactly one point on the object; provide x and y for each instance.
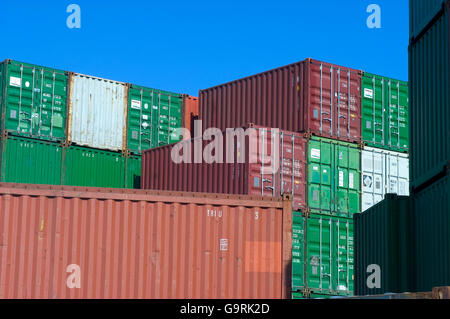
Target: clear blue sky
(185, 46)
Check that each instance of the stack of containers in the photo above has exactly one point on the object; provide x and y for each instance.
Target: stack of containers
(429, 70)
(66, 128)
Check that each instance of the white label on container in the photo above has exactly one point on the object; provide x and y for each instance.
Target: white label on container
(341, 179)
(145, 117)
(13, 81)
(350, 180)
(315, 153)
(368, 93)
(135, 104)
(223, 244)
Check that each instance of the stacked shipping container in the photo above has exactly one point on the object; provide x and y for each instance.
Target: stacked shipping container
(73, 129)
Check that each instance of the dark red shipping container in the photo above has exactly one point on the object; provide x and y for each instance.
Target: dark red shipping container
(269, 169)
(309, 96)
(61, 242)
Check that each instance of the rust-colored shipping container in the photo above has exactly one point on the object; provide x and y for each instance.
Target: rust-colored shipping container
(309, 96)
(71, 242)
(262, 162)
(190, 113)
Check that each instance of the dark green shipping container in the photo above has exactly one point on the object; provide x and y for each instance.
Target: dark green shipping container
(301, 295)
(153, 115)
(334, 175)
(30, 161)
(385, 113)
(93, 168)
(432, 235)
(429, 72)
(133, 172)
(322, 254)
(384, 237)
(421, 13)
(33, 101)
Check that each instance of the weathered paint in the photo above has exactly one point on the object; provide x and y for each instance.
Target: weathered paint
(153, 117)
(334, 176)
(429, 72)
(97, 112)
(136, 244)
(33, 101)
(322, 262)
(26, 160)
(384, 237)
(383, 172)
(93, 168)
(385, 113)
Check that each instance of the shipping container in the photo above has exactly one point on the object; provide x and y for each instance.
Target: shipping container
(301, 295)
(33, 100)
(190, 105)
(421, 15)
(322, 254)
(133, 172)
(385, 113)
(32, 161)
(383, 172)
(432, 229)
(309, 96)
(93, 168)
(334, 175)
(80, 243)
(97, 112)
(253, 161)
(429, 71)
(153, 116)
(384, 245)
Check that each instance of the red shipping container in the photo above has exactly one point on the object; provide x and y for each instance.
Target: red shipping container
(266, 168)
(78, 243)
(309, 96)
(190, 112)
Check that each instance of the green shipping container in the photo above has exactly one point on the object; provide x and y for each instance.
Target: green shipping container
(334, 174)
(301, 295)
(384, 237)
(33, 101)
(429, 72)
(153, 115)
(385, 113)
(30, 161)
(322, 261)
(93, 168)
(432, 239)
(133, 172)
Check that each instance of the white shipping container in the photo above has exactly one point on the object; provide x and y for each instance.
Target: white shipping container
(97, 112)
(383, 172)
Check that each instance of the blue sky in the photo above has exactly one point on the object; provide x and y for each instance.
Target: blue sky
(184, 46)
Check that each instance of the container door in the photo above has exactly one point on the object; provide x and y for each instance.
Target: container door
(319, 256)
(298, 257)
(168, 119)
(347, 179)
(343, 256)
(372, 177)
(345, 105)
(140, 119)
(397, 174)
(396, 119)
(373, 110)
(133, 172)
(320, 181)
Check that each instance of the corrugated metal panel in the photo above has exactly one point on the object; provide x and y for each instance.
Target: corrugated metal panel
(432, 228)
(153, 115)
(385, 113)
(421, 13)
(34, 101)
(327, 252)
(429, 71)
(190, 105)
(30, 161)
(133, 172)
(383, 172)
(314, 96)
(334, 176)
(272, 171)
(93, 168)
(97, 112)
(384, 237)
(134, 244)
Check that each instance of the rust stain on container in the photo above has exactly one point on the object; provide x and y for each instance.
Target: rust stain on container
(308, 96)
(73, 242)
(250, 164)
